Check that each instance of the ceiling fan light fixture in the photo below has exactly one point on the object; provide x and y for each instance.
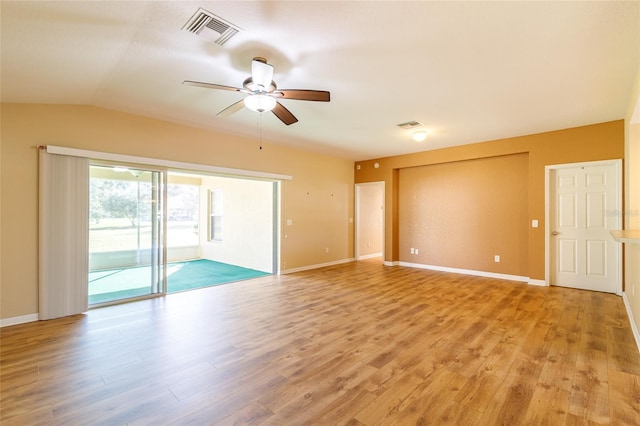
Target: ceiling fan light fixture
(260, 103)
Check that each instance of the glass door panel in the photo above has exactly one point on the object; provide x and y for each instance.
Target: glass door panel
(126, 233)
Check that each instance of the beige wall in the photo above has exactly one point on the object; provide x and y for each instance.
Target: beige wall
(461, 214)
(247, 221)
(587, 143)
(319, 199)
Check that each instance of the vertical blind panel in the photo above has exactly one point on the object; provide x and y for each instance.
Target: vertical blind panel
(64, 235)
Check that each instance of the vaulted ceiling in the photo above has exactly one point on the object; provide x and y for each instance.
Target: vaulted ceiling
(468, 71)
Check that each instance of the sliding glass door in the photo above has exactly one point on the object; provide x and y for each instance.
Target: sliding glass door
(126, 232)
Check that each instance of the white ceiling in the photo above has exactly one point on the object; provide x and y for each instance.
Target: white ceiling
(470, 71)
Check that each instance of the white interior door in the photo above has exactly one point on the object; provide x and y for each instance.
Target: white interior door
(584, 205)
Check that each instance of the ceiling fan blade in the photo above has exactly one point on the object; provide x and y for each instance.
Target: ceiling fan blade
(234, 107)
(261, 72)
(284, 114)
(305, 95)
(211, 86)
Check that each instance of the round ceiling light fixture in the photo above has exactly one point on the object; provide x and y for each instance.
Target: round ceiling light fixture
(260, 102)
(419, 135)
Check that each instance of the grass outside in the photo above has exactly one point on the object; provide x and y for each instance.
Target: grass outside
(118, 234)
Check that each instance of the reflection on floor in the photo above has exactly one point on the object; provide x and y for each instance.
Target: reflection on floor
(114, 284)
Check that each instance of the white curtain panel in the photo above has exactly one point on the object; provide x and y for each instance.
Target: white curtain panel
(63, 235)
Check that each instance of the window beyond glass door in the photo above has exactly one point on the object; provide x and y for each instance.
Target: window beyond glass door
(215, 215)
(126, 233)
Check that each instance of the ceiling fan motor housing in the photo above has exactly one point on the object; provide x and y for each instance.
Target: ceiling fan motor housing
(252, 87)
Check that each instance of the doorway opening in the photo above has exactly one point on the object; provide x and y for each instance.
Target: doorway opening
(369, 242)
(155, 232)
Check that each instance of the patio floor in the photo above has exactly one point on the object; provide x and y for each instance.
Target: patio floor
(120, 283)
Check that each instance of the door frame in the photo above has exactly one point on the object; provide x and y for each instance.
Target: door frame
(276, 227)
(617, 210)
(357, 217)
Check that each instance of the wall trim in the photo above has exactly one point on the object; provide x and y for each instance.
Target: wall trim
(390, 263)
(466, 272)
(541, 283)
(316, 266)
(634, 329)
(6, 322)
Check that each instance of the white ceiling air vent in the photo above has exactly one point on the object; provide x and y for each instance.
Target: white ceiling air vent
(205, 24)
(410, 124)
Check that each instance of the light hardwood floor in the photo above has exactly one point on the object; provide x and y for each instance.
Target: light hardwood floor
(353, 344)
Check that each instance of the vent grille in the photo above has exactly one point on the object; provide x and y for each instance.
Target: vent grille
(205, 24)
(410, 124)
(217, 26)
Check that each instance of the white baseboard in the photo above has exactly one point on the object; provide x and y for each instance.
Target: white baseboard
(467, 272)
(541, 283)
(18, 320)
(634, 328)
(369, 256)
(390, 263)
(319, 265)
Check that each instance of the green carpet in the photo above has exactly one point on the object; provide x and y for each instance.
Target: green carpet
(114, 284)
(203, 273)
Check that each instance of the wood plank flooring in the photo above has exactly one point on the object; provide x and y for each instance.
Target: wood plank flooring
(353, 344)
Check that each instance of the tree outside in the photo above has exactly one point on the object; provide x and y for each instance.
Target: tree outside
(119, 207)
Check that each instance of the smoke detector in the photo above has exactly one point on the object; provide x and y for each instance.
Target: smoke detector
(211, 27)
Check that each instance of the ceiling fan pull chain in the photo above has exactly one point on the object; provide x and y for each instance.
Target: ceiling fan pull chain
(260, 129)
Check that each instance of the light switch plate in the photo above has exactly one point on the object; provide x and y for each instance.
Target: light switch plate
(534, 223)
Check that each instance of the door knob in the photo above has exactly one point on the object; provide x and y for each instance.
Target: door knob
(554, 233)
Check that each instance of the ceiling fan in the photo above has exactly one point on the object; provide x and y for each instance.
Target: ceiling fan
(263, 93)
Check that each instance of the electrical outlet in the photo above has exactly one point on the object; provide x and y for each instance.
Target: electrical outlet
(326, 250)
(416, 251)
(413, 251)
(496, 258)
